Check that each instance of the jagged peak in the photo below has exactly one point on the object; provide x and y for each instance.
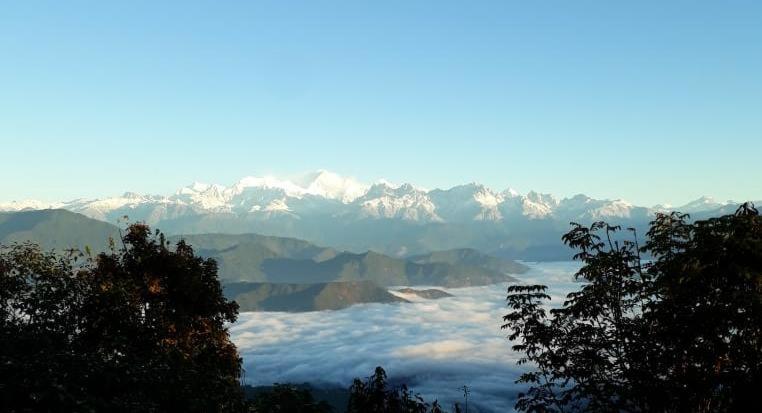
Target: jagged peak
(332, 185)
(384, 182)
(380, 189)
(510, 193)
(703, 203)
(132, 195)
(471, 186)
(383, 199)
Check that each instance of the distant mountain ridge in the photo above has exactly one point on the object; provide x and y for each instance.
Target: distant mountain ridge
(240, 256)
(56, 229)
(469, 256)
(267, 273)
(268, 259)
(399, 220)
(335, 194)
(382, 269)
(265, 259)
(307, 297)
(429, 294)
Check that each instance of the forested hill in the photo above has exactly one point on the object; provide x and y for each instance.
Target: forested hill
(56, 229)
(307, 297)
(260, 258)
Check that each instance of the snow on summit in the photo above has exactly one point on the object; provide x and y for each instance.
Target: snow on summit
(333, 186)
(325, 193)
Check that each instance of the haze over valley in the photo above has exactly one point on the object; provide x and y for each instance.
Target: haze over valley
(432, 267)
(380, 207)
(399, 220)
(435, 346)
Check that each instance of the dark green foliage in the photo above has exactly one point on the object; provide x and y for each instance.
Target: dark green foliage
(335, 397)
(285, 398)
(707, 278)
(375, 395)
(137, 329)
(682, 332)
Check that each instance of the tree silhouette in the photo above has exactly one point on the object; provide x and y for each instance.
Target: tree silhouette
(141, 328)
(374, 395)
(285, 398)
(680, 332)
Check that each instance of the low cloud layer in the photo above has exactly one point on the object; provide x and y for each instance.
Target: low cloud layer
(435, 346)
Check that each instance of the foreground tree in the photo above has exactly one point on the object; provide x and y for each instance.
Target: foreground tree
(287, 398)
(141, 328)
(375, 395)
(681, 332)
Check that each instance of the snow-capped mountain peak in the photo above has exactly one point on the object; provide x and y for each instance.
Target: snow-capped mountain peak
(326, 194)
(268, 183)
(704, 203)
(193, 188)
(28, 204)
(510, 193)
(384, 182)
(333, 186)
(536, 205)
(406, 202)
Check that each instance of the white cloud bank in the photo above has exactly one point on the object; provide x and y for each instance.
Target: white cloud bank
(435, 346)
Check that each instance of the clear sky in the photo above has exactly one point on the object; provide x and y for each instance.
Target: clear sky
(650, 101)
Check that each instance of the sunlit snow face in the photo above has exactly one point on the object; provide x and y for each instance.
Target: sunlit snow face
(435, 346)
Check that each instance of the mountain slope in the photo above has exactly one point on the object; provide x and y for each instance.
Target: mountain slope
(381, 269)
(252, 257)
(259, 258)
(240, 256)
(307, 297)
(399, 220)
(56, 229)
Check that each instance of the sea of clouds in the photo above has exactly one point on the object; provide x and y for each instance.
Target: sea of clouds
(435, 346)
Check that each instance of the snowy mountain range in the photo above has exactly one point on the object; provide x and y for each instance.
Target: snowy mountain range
(323, 192)
(325, 207)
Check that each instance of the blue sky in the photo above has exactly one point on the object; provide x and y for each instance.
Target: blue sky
(648, 101)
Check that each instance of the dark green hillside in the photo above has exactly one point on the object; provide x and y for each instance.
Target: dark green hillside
(240, 256)
(280, 246)
(306, 297)
(260, 258)
(56, 229)
(381, 269)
